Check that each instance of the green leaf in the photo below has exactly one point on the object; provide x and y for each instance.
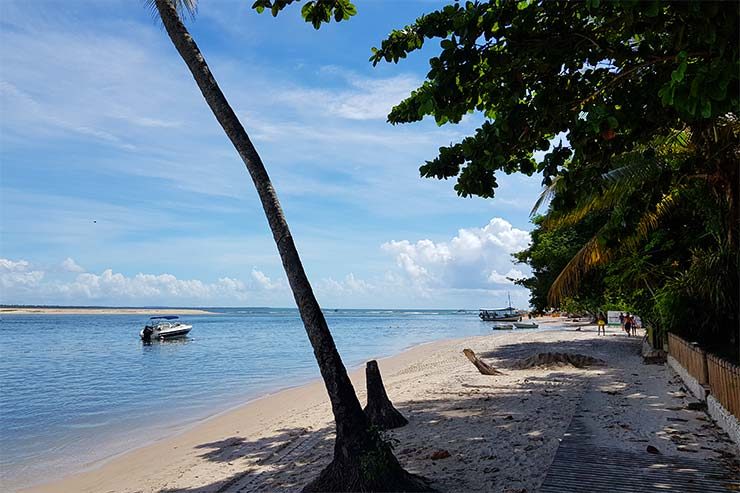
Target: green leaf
(706, 108)
(677, 75)
(307, 10)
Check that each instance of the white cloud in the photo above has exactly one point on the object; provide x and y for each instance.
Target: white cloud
(265, 282)
(7, 265)
(17, 275)
(71, 266)
(370, 99)
(349, 286)
(496, 278)
(153, 287)
(473, 259)
(23, 284)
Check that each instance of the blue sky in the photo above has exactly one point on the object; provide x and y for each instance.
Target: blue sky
(118, 187)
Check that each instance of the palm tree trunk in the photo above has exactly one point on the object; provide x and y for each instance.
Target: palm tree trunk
(355, 444)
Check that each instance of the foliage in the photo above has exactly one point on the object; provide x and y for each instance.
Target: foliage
(667, 239)
(316, 12)
(611, 75)
(635, 104)
(549, 252)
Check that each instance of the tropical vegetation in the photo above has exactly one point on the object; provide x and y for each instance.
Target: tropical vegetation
(635, 106)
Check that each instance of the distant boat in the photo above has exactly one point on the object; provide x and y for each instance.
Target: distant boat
(525, 325)
(503, 327)
(161, 328)
(508, 314)
(499, 315)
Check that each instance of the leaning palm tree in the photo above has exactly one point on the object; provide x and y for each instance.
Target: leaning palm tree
(362, 461)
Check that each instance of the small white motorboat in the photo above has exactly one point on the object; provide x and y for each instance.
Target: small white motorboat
(503, 327)
(161, 328)
(525, 325)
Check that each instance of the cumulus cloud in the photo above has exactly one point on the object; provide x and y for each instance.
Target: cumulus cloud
(21, 283)
(473, 259)
(350, 285)
(71, 266)
(265, 282)
(18, 275)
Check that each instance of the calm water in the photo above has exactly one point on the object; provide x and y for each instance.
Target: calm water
(76, 389)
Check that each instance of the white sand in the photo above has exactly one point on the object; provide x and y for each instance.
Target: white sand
(501, 431)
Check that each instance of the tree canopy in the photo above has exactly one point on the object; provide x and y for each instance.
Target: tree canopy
(607, 75)
(635, 106)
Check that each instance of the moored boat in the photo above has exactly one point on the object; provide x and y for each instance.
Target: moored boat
(508, 314)
(503, 327)
(499, 315)
(161, 328)
(525, 325)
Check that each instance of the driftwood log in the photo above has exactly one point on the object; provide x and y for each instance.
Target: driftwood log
(482, 366)
(379, 409)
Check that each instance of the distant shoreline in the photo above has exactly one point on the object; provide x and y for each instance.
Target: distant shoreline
(101, 311)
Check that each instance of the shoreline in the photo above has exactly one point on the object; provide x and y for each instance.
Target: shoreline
(313, 387)
(355, 371)
(501, 432)
(101, 311)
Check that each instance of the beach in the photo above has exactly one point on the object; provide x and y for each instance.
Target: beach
(499, 433)
(30, 310)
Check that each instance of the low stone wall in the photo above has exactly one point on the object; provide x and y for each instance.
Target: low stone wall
(692, 383)
(724, 419)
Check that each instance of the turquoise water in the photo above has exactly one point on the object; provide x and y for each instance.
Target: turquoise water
(79, 388)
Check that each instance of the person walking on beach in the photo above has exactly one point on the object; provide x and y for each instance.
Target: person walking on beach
(621, 320)
(628, 324)
(601, 323)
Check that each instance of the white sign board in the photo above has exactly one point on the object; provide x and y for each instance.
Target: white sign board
(612, 317)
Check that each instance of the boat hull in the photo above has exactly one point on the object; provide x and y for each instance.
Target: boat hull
(525, 325)
(488, 318)
(169, 333)
(503, 327)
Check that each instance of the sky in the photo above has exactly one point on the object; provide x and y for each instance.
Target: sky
(118, 187)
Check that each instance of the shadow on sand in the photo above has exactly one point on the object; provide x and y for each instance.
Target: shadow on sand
(489, 426)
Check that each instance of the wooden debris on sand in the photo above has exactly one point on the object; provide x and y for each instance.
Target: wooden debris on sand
(482, 366)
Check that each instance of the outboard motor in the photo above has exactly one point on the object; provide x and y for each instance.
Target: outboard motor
(148, 331)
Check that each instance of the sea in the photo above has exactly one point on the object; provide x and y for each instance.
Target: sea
(77, 389)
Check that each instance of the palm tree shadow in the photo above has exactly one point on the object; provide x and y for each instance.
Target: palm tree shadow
(270, 463)
(480, 424)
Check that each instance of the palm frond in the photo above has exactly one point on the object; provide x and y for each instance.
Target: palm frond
(615, 186)
(651, 220)
(547, 194)
(594, 253)
(189, 7)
